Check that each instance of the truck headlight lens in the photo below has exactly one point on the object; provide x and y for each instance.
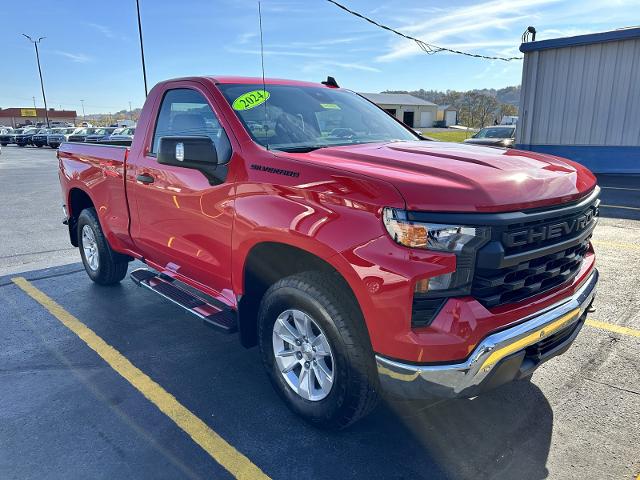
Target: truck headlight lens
(432, 236)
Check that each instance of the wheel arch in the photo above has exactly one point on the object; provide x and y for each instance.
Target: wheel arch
(269, 261)
(78, 200)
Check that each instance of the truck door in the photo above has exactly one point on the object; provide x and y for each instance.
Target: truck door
(181, 221)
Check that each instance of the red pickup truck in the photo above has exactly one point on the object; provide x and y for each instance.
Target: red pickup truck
(361, 258)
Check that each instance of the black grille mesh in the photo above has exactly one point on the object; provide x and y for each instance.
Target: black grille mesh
(494, 287)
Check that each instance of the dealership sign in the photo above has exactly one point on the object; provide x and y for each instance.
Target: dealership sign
(28, 112)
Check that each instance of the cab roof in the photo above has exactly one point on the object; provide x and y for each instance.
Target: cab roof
(268, 81)
(224, 79)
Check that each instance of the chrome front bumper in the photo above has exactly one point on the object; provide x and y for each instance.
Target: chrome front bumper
(501, 357)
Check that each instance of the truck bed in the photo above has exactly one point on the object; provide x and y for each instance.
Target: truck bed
(99, 170)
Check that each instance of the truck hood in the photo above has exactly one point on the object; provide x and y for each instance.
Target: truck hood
(453, 177)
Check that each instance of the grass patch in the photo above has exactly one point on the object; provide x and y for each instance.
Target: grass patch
(450, 136)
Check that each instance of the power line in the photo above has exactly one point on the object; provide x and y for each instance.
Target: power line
(428, 48)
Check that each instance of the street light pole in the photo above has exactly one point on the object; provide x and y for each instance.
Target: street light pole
(35, 44)
(83, 116)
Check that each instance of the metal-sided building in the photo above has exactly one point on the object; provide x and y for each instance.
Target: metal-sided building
(581, 99)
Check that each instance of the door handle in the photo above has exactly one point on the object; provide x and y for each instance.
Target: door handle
(144, 178)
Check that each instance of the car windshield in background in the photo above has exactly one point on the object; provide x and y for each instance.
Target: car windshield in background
(495, 132)
(299, 118)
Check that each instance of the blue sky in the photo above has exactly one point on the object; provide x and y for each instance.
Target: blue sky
(91, 51)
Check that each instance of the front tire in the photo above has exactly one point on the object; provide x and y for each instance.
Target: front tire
(316, 350)
(101, 263)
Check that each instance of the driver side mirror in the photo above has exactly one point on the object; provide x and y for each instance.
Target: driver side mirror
(188, 152)
(195, 152)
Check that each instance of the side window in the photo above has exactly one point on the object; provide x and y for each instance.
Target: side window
(185, 112)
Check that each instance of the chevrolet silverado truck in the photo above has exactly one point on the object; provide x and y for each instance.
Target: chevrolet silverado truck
(360, 258)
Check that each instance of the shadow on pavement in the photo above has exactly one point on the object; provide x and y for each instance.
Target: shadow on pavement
(505, 433)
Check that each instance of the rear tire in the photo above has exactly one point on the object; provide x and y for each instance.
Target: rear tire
(102, 264)
(352, 393)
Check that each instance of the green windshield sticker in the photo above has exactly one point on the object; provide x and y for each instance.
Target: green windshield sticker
(330, 106)
(251, 99)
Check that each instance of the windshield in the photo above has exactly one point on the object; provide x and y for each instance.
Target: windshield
(300, 118)
(495, 132)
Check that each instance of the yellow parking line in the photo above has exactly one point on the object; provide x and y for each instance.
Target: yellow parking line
(630, 246)
(224, 453)
(620, 206)
(613, 328)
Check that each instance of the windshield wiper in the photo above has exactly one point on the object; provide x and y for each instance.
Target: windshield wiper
(301, 148)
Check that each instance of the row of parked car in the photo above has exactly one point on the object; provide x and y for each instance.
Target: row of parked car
(53, 137)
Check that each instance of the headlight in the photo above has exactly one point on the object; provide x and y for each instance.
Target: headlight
(432, 236)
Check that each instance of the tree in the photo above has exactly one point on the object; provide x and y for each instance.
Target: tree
(507, 110)
(486, 106)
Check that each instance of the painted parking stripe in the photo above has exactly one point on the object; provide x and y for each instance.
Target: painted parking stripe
(624, 246)
(620, 206)
(222, 452)
(613, 328)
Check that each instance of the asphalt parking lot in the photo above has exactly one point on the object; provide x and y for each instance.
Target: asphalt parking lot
(71, 407)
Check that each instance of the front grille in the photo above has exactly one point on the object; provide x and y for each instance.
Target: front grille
(533, 252)
(424, 310)
(493, 287)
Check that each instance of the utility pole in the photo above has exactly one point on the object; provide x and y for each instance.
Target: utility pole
(130, 112)
(144, 68)
(34, 104)
(35, 44)
(83, 115)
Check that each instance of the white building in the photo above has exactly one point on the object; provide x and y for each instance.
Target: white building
(412, 111)
(581, 99)
(447, 114)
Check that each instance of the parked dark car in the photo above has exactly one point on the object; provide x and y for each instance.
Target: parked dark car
(100, 134)
(59, 135)
(81, 135)
(123, 136)
(9, 137)
(496, 136)
(25, 138)
(40, 138)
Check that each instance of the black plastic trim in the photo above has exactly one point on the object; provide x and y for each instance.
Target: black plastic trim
(506, 218)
